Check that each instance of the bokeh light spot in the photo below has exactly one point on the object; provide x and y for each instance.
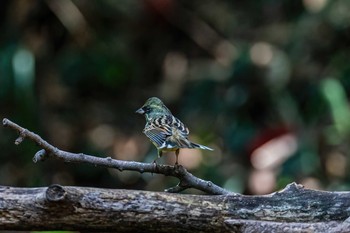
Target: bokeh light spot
(274, 152)
(314, 6)
(336, 164)
(262, 181)
(102, 136)
(261, 54)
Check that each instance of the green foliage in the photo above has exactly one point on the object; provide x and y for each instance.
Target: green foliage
(265, 83)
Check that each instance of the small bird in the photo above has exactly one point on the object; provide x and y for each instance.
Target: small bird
(164, 130)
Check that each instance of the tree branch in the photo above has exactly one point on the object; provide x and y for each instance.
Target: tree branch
(293, 209)
(187, 180)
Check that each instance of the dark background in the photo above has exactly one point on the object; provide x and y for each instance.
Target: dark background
(265, 83)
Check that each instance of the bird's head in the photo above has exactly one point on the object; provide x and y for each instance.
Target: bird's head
(153, 106)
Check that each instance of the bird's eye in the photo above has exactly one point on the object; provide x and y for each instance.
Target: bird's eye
(146, 109)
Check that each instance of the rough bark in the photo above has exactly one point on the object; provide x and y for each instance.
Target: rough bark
(293, 209)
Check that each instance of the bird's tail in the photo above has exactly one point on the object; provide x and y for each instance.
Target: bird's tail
(195, 145)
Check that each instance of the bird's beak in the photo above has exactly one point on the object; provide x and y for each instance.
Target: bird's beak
(140, 111)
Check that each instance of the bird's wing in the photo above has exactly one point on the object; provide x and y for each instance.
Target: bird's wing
(167, 132)
(180, 127)
(179, 134)
(158, 130)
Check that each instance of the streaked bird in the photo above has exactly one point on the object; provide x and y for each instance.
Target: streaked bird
(164, 130)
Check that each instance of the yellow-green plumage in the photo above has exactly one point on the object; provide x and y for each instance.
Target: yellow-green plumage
(164, 130)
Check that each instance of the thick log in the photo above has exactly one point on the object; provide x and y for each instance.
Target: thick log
(293, 209)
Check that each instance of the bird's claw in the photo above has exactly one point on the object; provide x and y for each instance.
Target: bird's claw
(155, 166)
(177, 166)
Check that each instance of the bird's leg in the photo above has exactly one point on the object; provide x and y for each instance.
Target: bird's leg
(177, 156)
(158, 157)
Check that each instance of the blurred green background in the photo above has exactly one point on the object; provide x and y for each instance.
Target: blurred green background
(265, 83)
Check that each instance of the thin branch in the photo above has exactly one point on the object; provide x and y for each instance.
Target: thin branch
(187, 180)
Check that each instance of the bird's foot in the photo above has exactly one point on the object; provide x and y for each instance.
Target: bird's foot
(177, 166)
(155, 165)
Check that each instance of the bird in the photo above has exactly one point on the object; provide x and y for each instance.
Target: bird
(165, 131)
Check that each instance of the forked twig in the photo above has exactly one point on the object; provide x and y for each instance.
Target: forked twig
(186, 179)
